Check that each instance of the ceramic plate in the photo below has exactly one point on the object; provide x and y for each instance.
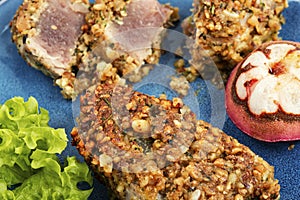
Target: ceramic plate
(18, 79)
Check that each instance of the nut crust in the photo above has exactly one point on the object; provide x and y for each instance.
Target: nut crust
(229, 30)
(214, 166)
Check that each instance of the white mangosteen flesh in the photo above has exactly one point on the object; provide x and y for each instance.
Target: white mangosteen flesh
(263, 92)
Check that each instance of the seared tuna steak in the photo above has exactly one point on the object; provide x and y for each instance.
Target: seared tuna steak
(58, 37)
(46, 33)
(145, 147)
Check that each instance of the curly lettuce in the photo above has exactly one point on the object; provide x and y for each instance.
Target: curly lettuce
(29, 166)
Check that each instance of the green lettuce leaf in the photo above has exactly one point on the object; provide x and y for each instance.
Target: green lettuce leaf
(16, 114)
(56, 184)
(45, 138)
(14, 158)
(29, 166)
(4, 193)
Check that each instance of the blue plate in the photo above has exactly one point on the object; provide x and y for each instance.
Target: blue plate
(18, 79)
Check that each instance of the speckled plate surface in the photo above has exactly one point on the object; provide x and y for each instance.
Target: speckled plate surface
(18, 79)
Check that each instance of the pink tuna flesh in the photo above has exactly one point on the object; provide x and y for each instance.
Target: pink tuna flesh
(58, 28)
(140, 28)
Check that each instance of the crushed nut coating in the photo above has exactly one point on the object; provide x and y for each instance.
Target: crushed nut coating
(158, 164)
(229, 30)
(61, 38)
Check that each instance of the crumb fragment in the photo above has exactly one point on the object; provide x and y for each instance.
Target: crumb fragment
(53, 27)
(180, 85)
(291, 147)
